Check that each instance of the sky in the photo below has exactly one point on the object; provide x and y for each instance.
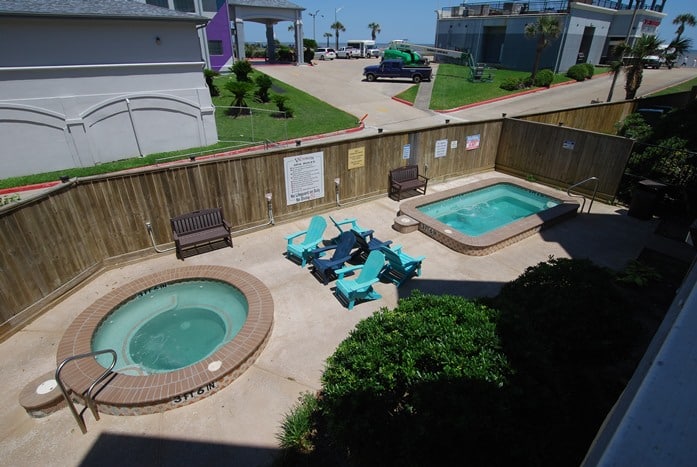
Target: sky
(413, 21)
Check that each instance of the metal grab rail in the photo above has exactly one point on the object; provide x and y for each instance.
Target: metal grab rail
(595, 190)
(88, 394)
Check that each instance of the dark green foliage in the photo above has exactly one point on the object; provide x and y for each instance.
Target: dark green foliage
(297, 426)
(210, 75)
(425, 379)
(590, 70)
(565, 329)
(511, 84)
(240, 90)
(544, 78)
(280, 102)
(635, 127)
(577, 72)
(285, 54)
(242, 69)
(308, 55)
(263, 83)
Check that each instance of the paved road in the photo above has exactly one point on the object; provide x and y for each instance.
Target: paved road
(341, 84)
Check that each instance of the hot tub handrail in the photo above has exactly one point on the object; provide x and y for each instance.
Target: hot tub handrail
(595, 190)
(88, 394)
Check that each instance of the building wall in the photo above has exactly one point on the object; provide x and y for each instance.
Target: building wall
(478, 34)
(104, 90)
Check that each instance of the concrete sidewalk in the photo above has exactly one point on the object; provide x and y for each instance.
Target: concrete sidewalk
(238, 425)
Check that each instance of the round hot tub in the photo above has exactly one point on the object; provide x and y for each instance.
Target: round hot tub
(180, 335)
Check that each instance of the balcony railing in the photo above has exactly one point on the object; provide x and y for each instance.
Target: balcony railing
(536, 7)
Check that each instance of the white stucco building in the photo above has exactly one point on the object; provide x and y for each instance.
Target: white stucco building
(84, 82)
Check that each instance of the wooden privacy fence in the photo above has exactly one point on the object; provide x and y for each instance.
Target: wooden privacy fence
(51, 243)
(561, 156)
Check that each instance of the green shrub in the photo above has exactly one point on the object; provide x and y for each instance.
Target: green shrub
(297, 426)
(566, 329)
(577, 72)
(210, 76)
(590, 70)
(427, 377)
(634, 126)
(263, 83)
(281, 104)
(242, 69)
(544, 78)
(511, 84)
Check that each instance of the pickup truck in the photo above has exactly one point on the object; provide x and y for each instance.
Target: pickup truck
(397, 69)
(348, 52)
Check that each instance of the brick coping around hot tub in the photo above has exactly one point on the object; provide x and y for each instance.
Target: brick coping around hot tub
(123, 394)
(499, 238)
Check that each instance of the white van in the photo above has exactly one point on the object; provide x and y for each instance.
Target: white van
(362, 46)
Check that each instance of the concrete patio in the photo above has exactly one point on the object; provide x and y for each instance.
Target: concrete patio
(238, 425)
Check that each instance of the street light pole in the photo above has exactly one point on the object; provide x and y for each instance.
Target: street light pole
(314, 17)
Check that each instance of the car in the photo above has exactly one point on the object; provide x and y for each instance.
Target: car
(325, 53)
(348, 52)
(372, 53)
(653, 61)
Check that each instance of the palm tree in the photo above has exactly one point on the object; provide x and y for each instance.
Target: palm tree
(642, 47)
(374, 30)
(675, 49)
(328, 35)
(682, 20)
(615, 68)
(337, 27)
(546, 29)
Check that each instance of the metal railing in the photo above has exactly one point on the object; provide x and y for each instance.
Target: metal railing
(595, 190)
(89, 399)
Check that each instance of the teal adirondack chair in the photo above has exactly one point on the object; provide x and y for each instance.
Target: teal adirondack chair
(349, 220)
(360, 288)
(311, 238)
(400, 266)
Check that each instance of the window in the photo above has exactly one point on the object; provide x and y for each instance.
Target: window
(210, 5)
(186, 6)
(161, 3)
(215, 47)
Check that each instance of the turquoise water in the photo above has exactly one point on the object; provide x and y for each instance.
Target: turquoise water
(481, 211)
(171, 326)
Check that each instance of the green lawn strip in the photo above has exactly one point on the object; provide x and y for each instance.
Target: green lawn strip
(409, 95)
(452, 87)
(686, 86)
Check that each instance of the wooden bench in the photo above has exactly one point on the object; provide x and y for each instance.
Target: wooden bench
(405, 179)
(198, 227)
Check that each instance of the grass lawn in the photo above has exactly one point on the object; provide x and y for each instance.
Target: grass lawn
(451, 89)
(686, 86)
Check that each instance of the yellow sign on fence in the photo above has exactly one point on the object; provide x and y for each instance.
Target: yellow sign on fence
(356, 158)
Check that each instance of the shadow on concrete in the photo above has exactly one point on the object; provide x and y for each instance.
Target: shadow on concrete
(112, 450)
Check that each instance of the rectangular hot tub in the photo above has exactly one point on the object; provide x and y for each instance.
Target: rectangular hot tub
(482, 217)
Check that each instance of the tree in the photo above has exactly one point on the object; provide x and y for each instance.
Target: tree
(675, 49)
(682, 20)
(337, 27)
(635, 54)
(615, 68)
(374, 30)
(546, 29)
(328, 35)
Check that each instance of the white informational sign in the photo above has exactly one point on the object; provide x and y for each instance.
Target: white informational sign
(304, 177)
(441, 148)
(406, 151)
(453, 144)
(568, 144)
